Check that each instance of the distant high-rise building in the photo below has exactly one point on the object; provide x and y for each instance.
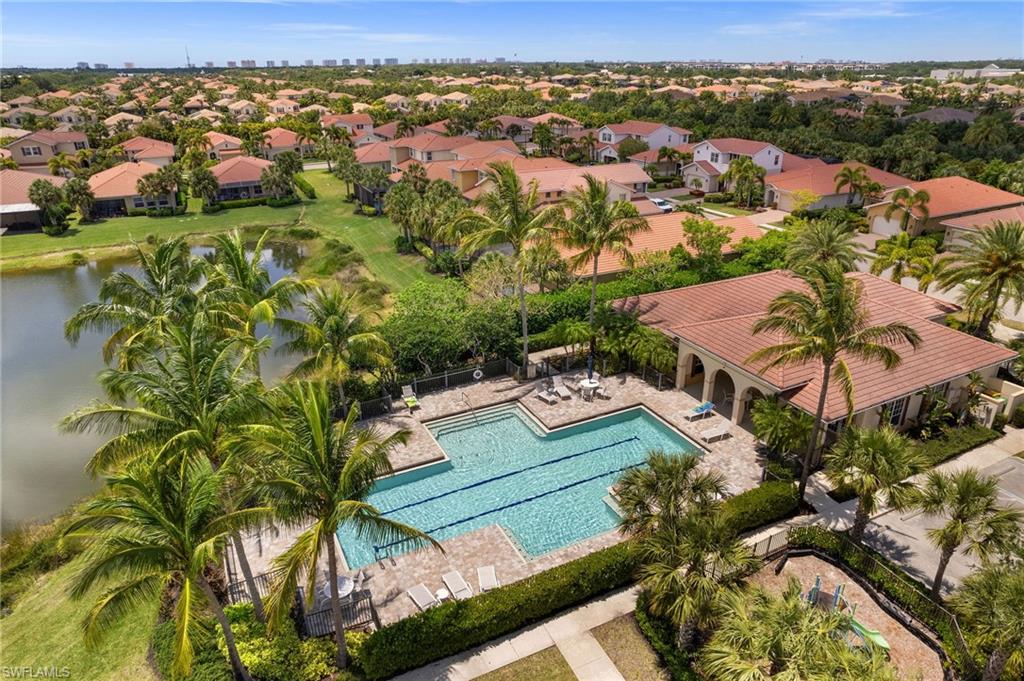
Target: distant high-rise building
(415, 60)
(128, 65)
(345, 62)
(284, 62)
(309, 62)
(248, 63)
(391, 61)
(330, 62)
(499, 60)
(360, 62)
(270, 63)
(209, 64)
(376, 62)
(100, 66)
(232, 64)
(82, 65)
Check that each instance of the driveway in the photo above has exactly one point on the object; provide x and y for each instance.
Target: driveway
(903, 538)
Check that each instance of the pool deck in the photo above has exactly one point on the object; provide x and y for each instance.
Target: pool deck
(734, 457)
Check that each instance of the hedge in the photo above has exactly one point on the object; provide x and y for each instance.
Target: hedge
(289, 200)
(953, 442)
(661, 634)
(237, 203)
(456, 626)
(304, 186)
(888, 578)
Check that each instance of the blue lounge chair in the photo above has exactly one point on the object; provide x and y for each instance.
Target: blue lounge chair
(700, 411)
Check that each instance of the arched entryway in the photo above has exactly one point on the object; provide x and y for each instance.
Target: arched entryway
(722, 391)
(742, 407)
(691, 375)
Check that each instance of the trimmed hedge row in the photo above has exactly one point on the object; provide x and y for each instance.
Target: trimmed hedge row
(289, 200)
(455, 626)
(954, 442)
(889, 578)
(661, 634)
(304, 186)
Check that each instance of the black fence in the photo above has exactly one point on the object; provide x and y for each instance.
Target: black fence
(238, 592)
(453, 378)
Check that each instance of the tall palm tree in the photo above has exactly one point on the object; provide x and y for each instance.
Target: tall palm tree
(928, 272)
(276, 181)
(876, 465)
(325, 470)
(821, 241)
(909, 204)
(511, 214)
(78, 194)
(974, 520)
(204, 185)
(595, 224)
(784, 116)
(154, 527)
(903, 254)
(401, 205)
(991, 601)
(664, 490)
(855, 178)
(62, 165)
(47, 198)
(543, 264)
(990, 269)
(763, 637)
(745, 177)
(137, 310)
(827, 323)
(336, 335)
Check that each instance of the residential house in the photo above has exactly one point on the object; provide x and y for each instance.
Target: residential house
(654, 135)
(942, 114)
(508, 126)
(959, 228)
(21, 116)
(358, 125)
(282, 107)
(72, 115)
(457, 98)
(194, 104)
(293, 95)
(674, 92)
(214, 117)
(626, 181)
(277, 140)
(16, 210)
(560, 125)
(222, 146)
(153, 151)
(426, 148)
(375, 155)
(819, 179)
(428, 100)
(21, 101)
(116, 190)
(122, 120)
(239, 177)
(33, 152)
(711, 327)
(243, 110)
(396, 102)
(664, 166)
(949, 197)
(712, 157)
(894, 102)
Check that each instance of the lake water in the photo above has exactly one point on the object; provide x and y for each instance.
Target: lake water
(43, 378)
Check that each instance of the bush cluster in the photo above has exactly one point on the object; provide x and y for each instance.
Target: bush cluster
(1017, 419)
(718, 197)
(953, 442)
(289, 200)
(304, 186)
(661, 634)
(762, 505)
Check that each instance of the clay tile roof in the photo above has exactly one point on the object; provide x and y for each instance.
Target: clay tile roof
(736, 145)
(352, 119)
(429, 142)
(820, 178)
(551, 116)
(375, 152)
(979, 221)
(280, 137)
(145, 147)
(651, 155)
(955, 195)
(121, 180)
(634, 127)
(53, 137)
(426, 97)
(239, 170)
(217, 138)
(14, 186)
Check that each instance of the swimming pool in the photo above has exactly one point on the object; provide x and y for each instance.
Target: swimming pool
(545, 488)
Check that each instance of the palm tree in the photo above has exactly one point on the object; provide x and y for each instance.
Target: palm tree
(908, 203)
(827, 323)
(974, 519)
(276, 181)
(153, 528)
(324, 472)
(511, 215)
(138, 310)
(78, 194)
(821, 241)
(902, 253)
(663, 491)
(47, 198)
(876, 465)
(746, 177)
(928, 272)
(405, 128)
(543, 264)
(156, 184)
(784, 116)
(204, 185)
(62, 165)
(855, 178)
(764, 637)
(401, 205)
(336, 336)
(594, 225)
(990, 269)
(991, 601)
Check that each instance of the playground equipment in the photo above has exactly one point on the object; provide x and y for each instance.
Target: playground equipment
(839, 602)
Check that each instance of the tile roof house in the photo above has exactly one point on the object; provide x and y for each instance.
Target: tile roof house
(239, 177)
(277, 140)
(711, 325)
(243, 109)
(396, 102)
(282, 107)
(19, 117)
(222, 146)
(942, 114)
(712, 157)
(121, 120)
(16, 209)
(116, 190)
(820, 179)
(153, 151)
(949, 197)
(358, 125)
(457, 98)
(426, 148)
(960, 227)
(524, 125)
(73, 115)
(428, 100)
(33, 152)
(664, 166)
(655, 135)
(560, 125)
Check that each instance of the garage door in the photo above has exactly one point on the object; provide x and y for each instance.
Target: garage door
(885, 227)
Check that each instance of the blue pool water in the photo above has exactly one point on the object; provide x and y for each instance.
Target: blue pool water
(545, 489)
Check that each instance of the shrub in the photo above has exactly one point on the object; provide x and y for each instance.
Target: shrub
(304, 186)
(283, 657)
(302, 233)
(1017, 418)
(289, 200)
(207, 665)
(212, 207)
(661, 634)
(459, 625)
(164, 212)
(953, 442)
(243, 203)
(765, 504)
(405, 246)
(719, 197)
(76, 259)
(333, 256)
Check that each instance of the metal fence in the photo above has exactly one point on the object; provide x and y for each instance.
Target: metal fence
(238, 592)
(453, 378)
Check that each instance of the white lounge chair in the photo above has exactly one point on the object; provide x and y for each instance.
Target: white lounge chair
(716, 432)
(546, 395)
(699, 412)
(422, 597)
(488, 580)
(559, 388)
(409, 397)
(602, 393)
(457, 586)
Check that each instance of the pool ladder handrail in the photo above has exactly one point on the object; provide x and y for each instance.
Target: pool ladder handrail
(465, 398)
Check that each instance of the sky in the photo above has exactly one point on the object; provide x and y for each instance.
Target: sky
(41, 33)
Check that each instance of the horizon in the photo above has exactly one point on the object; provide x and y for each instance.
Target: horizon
(569, 32)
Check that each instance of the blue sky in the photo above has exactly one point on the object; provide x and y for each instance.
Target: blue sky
(151, 34)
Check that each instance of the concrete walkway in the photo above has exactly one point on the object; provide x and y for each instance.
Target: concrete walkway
(569, 631)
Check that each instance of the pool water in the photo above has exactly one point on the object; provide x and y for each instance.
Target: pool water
(546, 489)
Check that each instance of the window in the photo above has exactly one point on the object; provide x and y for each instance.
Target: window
(139, 202)
(776, 159)
(835, 428)
(714, 157)
(80, 145)
(896, 410)
(606, 137)
(31, 151)
(430, 156)
(257, 190)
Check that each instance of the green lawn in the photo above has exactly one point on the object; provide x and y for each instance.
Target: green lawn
(629, 650)
(548, 665)
(45, 631)
(372, 237)
(683, 198)
(731, 210)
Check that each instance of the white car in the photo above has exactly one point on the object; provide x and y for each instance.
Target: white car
(663, 205)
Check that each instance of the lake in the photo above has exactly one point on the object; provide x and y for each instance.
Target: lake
(43, 378)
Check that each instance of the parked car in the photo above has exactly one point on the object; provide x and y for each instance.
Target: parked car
(663, 205)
